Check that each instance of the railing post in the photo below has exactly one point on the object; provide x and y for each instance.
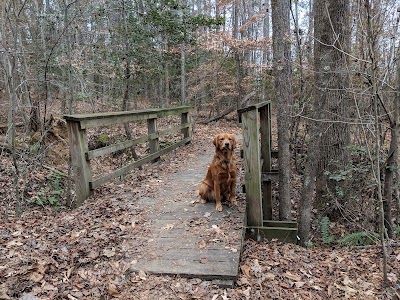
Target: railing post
(184, 120)
(153, 142)
(251, 161)
(81, 167)
(265, 131)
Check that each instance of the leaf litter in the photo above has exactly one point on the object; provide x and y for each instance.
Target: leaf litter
(86, 253)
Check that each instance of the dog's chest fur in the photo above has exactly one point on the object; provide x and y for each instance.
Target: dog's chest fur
(226, 172)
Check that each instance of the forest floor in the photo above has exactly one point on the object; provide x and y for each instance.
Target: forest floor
(84, 253)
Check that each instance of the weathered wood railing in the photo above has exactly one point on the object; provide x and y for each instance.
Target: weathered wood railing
(81, 155)
(257, 160)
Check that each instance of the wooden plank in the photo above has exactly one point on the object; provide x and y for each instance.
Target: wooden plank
(181, 240)
(211, 255)
(153, 142)
(81, 167)
(127, 144)
(252, 107)
(183, 127)
(265, 132)
(121, 171)
(268, 177)
(252, 168)
(185, 120)
(115, 147)
(282, 234)
(112, 120)
(160, 112)
(288, 224)
(188, 268)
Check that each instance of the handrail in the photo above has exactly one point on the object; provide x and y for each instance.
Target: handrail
(81, 155)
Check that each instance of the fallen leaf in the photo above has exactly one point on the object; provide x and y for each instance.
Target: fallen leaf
(245, 269)
(269, 276)
(292, 277)
(256, 268)
(109, 252)
(48, 287)
(202, 244)
(168, 227)
(346, 281)
(246, 292)
(299, 284)
(216, 229)
(243, 281)
(112, 290)
(142, 275)
(93, 254)
(35, 277)
(224, 296)
(4, 296)
(14, 243)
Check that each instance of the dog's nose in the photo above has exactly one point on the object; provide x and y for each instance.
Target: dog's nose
(226, 144)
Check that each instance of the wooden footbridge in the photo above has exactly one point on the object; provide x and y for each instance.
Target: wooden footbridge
(187, 238)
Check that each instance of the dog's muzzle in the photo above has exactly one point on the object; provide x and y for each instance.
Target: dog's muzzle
(227, 146)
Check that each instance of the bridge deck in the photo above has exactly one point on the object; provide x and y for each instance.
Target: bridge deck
(188, 238)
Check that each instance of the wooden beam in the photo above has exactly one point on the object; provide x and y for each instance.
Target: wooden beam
(81, 167)
(153, 142)
(251, 161)
(116, 147)
(269, 177)
(282, 234)
(111, 118)
(265, 132)
(286, 224)
(121, 171)
(252, 107)
(185, 120)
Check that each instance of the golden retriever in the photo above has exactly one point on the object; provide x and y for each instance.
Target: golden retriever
(220, 181)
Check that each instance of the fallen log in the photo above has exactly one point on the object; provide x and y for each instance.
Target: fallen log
(230, 109)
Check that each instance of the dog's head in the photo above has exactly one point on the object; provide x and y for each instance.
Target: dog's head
(225, 142)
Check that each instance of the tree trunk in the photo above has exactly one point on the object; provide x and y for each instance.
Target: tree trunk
(332, 37)
(266, 32)
(283, 91)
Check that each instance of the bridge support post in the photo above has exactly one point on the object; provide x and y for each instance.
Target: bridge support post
(80, 165)
(251, 161)
(257, 160)
(265, 132)
(186, 130)
(153, 142)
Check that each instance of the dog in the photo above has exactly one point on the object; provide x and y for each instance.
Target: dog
(220, 181)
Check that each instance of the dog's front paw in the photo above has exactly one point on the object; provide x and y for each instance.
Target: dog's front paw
(218, 207)
(233, 201)
(202, 201)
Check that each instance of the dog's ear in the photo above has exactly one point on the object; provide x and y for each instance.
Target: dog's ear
(232, 136)
(215, 140)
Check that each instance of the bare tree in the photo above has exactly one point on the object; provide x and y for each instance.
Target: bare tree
(328, 141)
(283, 91)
